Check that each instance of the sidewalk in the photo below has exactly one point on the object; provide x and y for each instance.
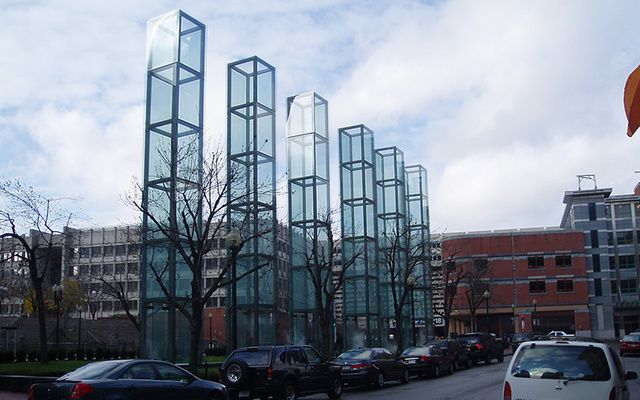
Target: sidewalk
(12, 396)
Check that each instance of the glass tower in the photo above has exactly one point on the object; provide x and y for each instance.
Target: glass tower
(252, 202)
(308, 184)
(391, 216)
(419, 247)
(172, 177)
(359, 246)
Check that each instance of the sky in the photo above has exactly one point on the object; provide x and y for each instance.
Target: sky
(503, 102)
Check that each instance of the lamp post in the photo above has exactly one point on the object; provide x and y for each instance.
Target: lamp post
(486, 296)
(533, 318)
(210, 336)
(233, 243)
(411, 282)
(57, 296)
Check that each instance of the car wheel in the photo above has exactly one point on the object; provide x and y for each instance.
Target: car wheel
(335, 390)
(379, 382)
(235, 373)
(450, 368)
(501, 358)
(288, 391)
(487, 359)
(405, 376)
(456, 366)
(436, 371)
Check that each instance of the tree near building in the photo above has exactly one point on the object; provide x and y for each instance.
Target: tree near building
(402, 256)
(453, 273)
(24, 209)
(196, 216)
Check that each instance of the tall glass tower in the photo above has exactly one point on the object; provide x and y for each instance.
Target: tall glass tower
(308, 184)
(420, 239)
(359, 246)
(391, 213)
(252, 202)
(172, 165)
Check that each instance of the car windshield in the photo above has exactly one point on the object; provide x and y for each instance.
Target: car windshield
(91, 371)
(521, 336)
(443, 345)
(631, 338)
(561, 362)
(355, 354)
(252, 357)
(415, 351)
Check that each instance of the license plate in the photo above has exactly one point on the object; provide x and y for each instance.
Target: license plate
(412, 361)
(244, 393)
(346, 368)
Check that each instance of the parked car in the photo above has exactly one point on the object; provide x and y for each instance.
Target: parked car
(519, 338)
(456, 351)
(374, 366)
(567, 370)
(630, 344)
(128, 379)
(426, 360)
(482, 347)
(285, 372)
(556, 334)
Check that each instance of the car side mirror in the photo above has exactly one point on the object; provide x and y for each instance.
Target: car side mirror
(631, 375)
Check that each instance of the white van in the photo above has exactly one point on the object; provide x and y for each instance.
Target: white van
(565, 369)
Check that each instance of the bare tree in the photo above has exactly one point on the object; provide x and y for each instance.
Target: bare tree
(402, 255)
(319, 262)
(190, 215)
(452, 275)
(24, 209)
(474, 284)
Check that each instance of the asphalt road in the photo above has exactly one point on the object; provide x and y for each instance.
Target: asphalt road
(482, 382)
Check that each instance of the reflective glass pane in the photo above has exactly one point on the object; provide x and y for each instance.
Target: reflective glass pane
(265, 89)
(162, 41)
(266, 142)
(159, 156)
(190, 50)
(161, 100)
(189, 98)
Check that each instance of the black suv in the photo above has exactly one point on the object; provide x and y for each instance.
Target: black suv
(284, 372)
(482, 347)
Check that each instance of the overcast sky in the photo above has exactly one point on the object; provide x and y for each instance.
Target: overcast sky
(504, 102)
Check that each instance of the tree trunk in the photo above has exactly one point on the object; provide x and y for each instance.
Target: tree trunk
(325, 331)
(42, 320)
(195, 339)
(399, 333)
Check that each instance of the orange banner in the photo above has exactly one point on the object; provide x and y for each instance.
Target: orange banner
(632, 101)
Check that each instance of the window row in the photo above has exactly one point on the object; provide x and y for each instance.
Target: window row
(562, 261)
(626, 286)
(100, 270)
(107, 250)
(540, 286)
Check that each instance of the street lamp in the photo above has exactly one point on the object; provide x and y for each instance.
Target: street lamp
(486, 296)
(411, 282)
(233, 243)
(57, 297)
(210, 337)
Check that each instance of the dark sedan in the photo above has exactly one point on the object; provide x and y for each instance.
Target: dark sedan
(630, 344)
(374, 366)
(519, 338)
(426, 360)
(456, 351)
(128, 380)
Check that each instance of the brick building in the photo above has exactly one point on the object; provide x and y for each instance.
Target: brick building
(535, 279)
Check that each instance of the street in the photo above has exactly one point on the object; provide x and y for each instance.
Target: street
(477, 383)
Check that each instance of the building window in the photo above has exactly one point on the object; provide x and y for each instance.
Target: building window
(96, 251)
(107, 269)
(121, 250)
(108, 251)
(120, 269)
(536, 262)
(85, 251)
(594, 239)
(480, 264)
(537, 287)
(565, 285)
(96, 270)
(624, 237)
(626, 261)
(132, 268)
(622, 211)
(563, 261)
(610, 241)
(596, 262)
(451, 265)
(592, 211)
(133, 249)
(626, 286)
(597, 286)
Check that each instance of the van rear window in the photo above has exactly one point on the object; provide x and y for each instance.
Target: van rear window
(253, 357)
(561, 362)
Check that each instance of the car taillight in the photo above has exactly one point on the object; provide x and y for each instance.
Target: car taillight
(612, 394)
(625, 345)
(479, 346)
(30, 393)
(360, 366)
(269, 373)
(80, 390)
(507, 391)
(424, 358)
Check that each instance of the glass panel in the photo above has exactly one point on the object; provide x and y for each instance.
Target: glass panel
(321, 119)
(190, 50)
(159, 156)
(266, 140)
(161, 100)
(265, 89)
(189, 108)
(162, 41)
(186, 24)
(322, 161)
(300, 119)
(239, 89)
